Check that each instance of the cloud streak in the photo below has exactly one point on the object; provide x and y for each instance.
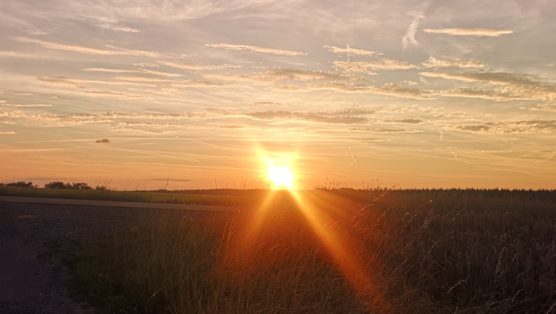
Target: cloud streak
(350, 51)
(475, 32)
(505, 85)
(513, 127)
(409, 37)
(198, 67)
(114, 51)
(257, 49)
(433, 62)
(370, 66)
(319, 117)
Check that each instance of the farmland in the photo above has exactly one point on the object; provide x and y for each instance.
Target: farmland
(435, 251)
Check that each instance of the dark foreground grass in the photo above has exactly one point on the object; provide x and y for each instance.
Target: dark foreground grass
(421, 252)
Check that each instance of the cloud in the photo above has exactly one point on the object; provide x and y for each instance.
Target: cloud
(433, 62)
(126, 71)
(7, 133)
(297, 75)
(477, 32)
(160, 73)
(65, 81)
(109, 70)
(103, 141)
(154, 10)
(198, 67)
(389, 89)
(409, 37)
(505, 85)
(407, 121)
(513, 127)
(477, 93)
(115, 51)
(475, 128)
(21, 55)
(350, 51)
(320, 117)
(118, 28)
(26, 105)
(256, 49)
(370, 66)
(448, 76)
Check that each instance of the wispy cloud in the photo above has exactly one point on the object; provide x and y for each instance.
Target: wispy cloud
(407, 121)
(389, 89)
(409, 37)
(112, 51)
(198, 67)
(370, 66)
(488, 94)
(433, 62)
(257, 49)
(110, 70)
(513, 127)
(118, 28)
(477, 32)
(297, 75)
(448, 76)
(65, 81)
(506, 85)
(350, 51)
(7, 133)
(22, 55)
(26, 105)
(320, 117)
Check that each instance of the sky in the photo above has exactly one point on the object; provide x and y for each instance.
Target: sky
(148, 94)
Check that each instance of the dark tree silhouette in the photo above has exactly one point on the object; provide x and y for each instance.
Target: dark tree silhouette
(67, 186)
(21, 184)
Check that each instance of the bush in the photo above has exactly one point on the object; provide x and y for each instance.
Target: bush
(21, 184)
(67, 186)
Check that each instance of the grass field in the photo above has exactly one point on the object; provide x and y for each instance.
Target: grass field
(343, 251)
(204, 197)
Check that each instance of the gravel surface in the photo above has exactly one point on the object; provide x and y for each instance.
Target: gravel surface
(34, 240)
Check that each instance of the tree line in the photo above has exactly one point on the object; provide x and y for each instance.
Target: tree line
(59, 185)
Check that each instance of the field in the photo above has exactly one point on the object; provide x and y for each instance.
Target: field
(340, 251)
(321, 251)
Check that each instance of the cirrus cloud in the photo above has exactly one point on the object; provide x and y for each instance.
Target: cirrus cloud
(477, 32)
(257, 49)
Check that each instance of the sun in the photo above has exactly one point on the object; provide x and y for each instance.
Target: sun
(281, 176)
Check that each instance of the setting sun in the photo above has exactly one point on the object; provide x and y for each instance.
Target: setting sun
(280, 176)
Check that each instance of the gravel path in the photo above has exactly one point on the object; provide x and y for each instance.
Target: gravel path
(34, 239)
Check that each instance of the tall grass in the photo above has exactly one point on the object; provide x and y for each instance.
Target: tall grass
(424, 252)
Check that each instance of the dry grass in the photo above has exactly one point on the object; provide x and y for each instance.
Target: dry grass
(420, 252)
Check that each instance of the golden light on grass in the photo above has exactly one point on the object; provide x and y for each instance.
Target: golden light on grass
(318, 210)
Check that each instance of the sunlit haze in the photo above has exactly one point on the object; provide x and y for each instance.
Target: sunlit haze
(182, 95)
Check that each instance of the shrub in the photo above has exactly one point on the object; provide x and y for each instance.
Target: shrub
(21, 184)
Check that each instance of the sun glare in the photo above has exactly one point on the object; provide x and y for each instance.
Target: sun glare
(278, 169)
(281, 177)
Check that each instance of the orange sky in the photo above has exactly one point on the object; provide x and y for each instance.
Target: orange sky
(139, 95)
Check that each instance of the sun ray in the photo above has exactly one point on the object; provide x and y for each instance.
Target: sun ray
(343, 255)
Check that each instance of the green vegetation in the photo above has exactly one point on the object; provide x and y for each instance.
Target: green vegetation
(453, 251)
